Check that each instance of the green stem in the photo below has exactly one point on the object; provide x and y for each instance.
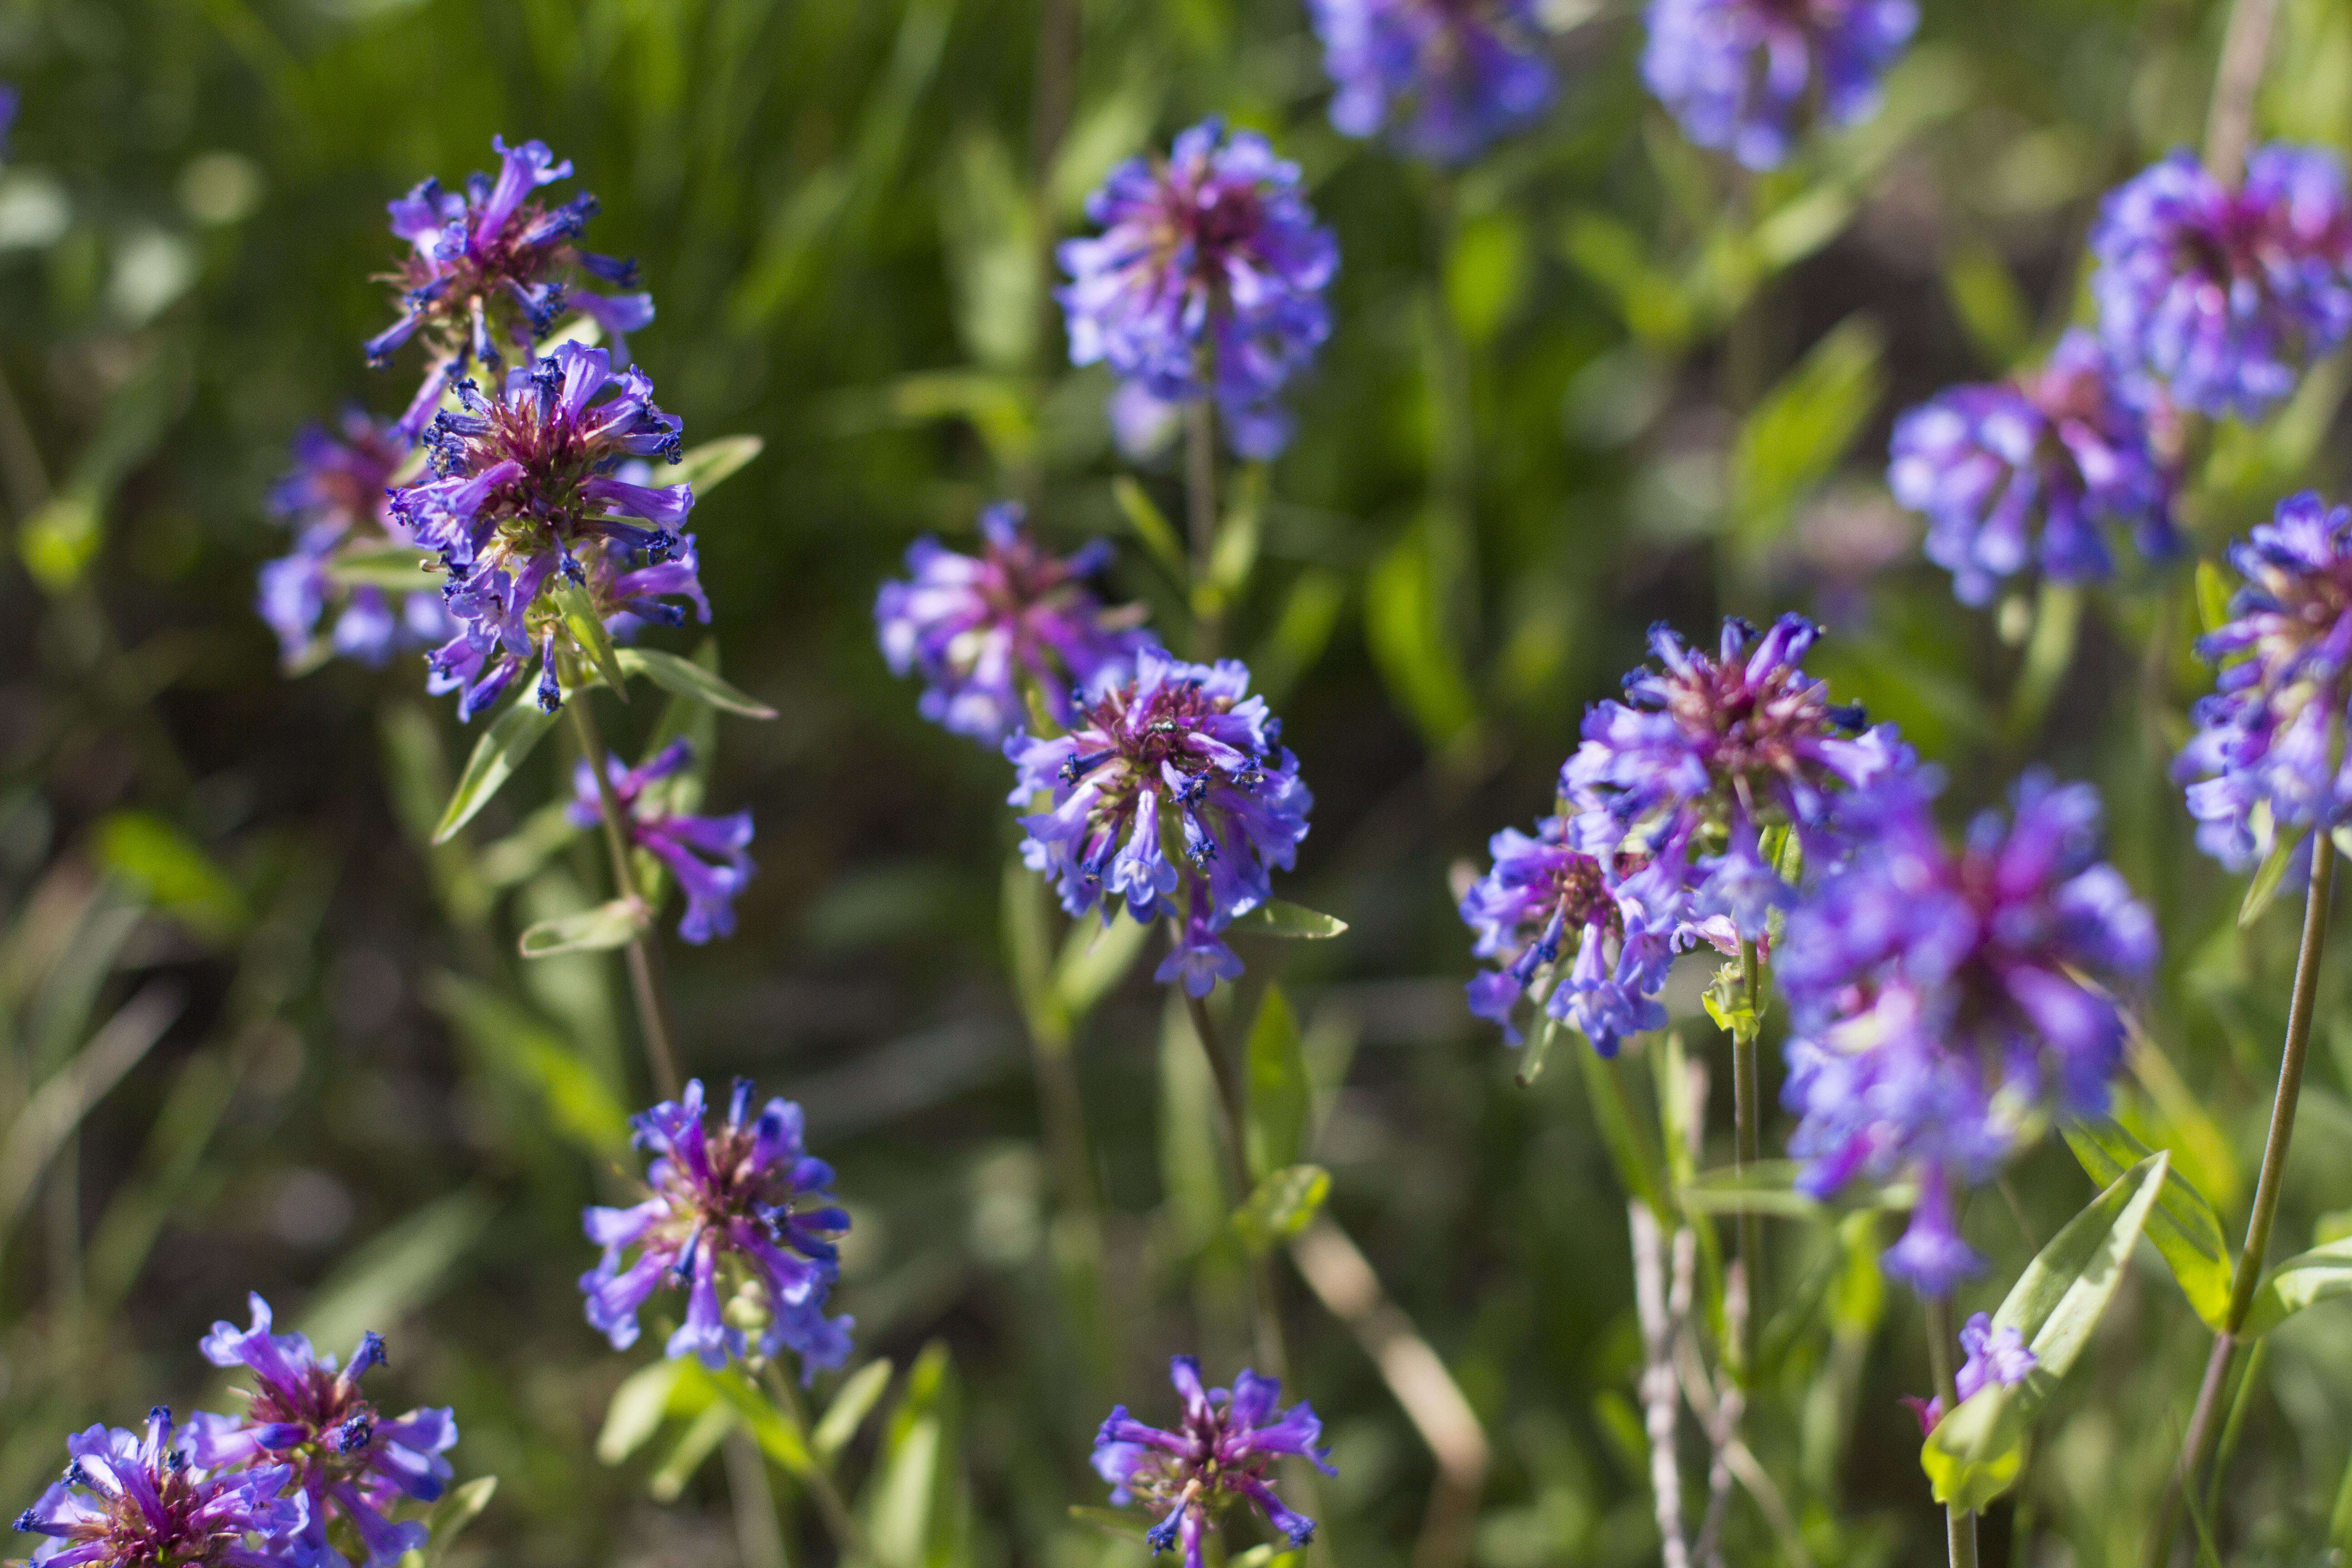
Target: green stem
(1747, 1116)
(646, 977)
(1959, 1524)
(1201, 503)
(1271, 1349)
(839, 1521)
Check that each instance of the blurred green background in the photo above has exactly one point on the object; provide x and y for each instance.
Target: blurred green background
(252, 1035)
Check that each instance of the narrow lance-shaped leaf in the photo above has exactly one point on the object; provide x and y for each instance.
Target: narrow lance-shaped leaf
(2184, 1227)
(1278, 1088)
(704, 467)
(587, 629)
(2265, 887)
(1275, 918)
(2320, 1275)
(850, 1407)
(501, 750)
(684, 677)
(609, 925)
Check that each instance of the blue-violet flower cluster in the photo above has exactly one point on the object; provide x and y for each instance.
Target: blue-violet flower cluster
(1744, 76)
(1223, 1448)
(744, 1204)
(1462, 73)
(337, 497)
(132, 1499)
(710, 856)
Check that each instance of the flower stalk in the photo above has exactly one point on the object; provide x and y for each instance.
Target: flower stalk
(830, 1506)
(1959, 1524)
(1264, 1295)
(1746, 1115)
(647, 980)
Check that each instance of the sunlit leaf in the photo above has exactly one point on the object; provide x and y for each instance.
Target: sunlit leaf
(2184, 1227)
(398, 1270)
(850, 1407)
(2265, 887)
(684, 677)
(2323, 1274)
(1275, 918)
(588, 633)
(708, 465)
(502, 749)
(1279, 1091)
(1152, 527)
(615, 923)
(1284, 1203)
(636, 1410)
(171, 870)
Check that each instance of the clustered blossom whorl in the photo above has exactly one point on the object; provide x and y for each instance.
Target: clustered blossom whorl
(1945, 1003)
(2228, 295)
(2000, 1358)
(1542, 893)
(1705, 753)
(746, 1203)
(129, 1500)
(1471, 70)
(1206, 281)
(1223, 1448)
(2027, 472)
(1742, 76)
(337, 494)
(347, 1460)
(488, 268)
(525, 496)
(2269, 754)
(974, 625)
(1176, 754)
(710, 856)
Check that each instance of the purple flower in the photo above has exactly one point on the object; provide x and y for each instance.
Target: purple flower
(1705, 754)
(1223, 1447)
(490, 271)
(2265, 758)
(347, 1460)
(710, 856)
(2018, 473)
(337, 495)
(1945, 1003)
(1542, 901)
(1998, 1358)
(1742, 76)
(1206, 281)
(2226, 295)
(1175, 760)
(129, 1500)
(745, 1205)
(524, 497)
(1473, 69)
(975, 625)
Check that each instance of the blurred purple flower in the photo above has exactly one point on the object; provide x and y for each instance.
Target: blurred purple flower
(129, 1500)
(1743, 76)
(1945, 1003)
(346, 1460)
(1207, 280)
(974, 625)
(746, 1205)
(2027, 472)
(710, 856)
(337, 495)
(1472, 71)
(1223, 1448)
(1996, 1357)
(2227, 296)
(2266, 757)
(1177, 756)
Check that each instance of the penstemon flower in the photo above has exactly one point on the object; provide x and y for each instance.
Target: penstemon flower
(710, 856)
(1222, 1450)
(1706, 753)
(2225, 295)
(2000, 1358)
(1206, 282)
(1173, 761)
(975, 626)
(2028, 472)
(134, 1500)
(1472, 71)
(1743, 76)
(488, 273)
(337, 494)
(1945, 1003)
(744, 1204)
(347, 1460)
(525, 498)
(2270, 743)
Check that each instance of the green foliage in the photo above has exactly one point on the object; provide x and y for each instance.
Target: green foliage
(2184, 1227)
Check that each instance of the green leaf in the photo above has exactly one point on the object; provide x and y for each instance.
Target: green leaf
(2320, 1275)
(1487, 272)
(636, 1411)
(1152, 526)
(915, 1505)
(1975, 1452)
(399, 568)
(587, 629)
(615, 923)
(1990, 305)
(1114, 1521)
(2264, 888)
(580, 1104)
(1770, 1187)
(1279, 1092)
(1283, 1205)
(1802, 427)
(1404, 624)
(1538, 1047)
(458, 1506)
(2213, 596)
(694, 1445)
(707, 466)
(398, 1270)
(850, 1407)
(1296, 921)
(1095, 957)
(515, 858)
(173, 871)
(2185, 1228)
(684, 677)
(501, 750)
(777, 1437)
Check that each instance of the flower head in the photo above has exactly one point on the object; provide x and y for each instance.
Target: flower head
(1705, 753)
(337, 496)
(2227, 295)
(974, 625)
(130, 1499)
(1945, 1002)
(1223, 1447)
(710, 856)
(1743, 76)
(490, 271)
(2269, 755)
(1206, 281)
(744, 1202)
(1174, 761)
(1472, 70)
(1998, 1357)
(525, 498)
(346, 1460)
(2026, 472)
